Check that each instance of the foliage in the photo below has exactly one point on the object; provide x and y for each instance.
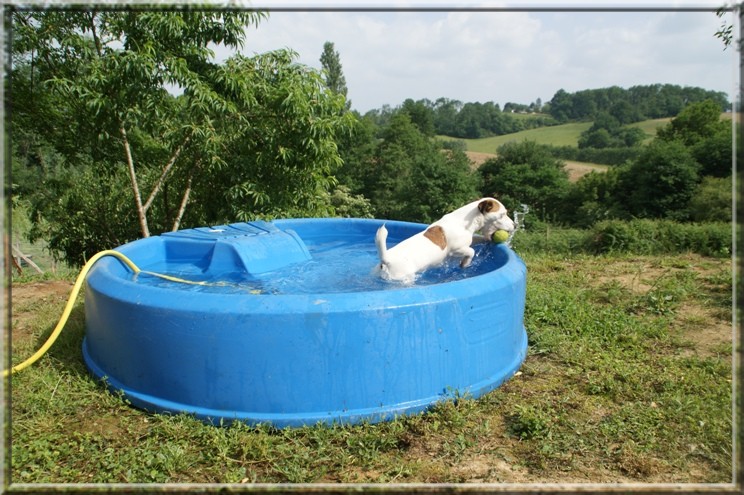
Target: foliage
(592, 198)
(252, 137)
(283, 163)
(643, 237)
(696, 122)
(80, 198)
(462, 120)
(631, 105)
(411, 178)
(700, 128)
(726, 32)
(649, 237)
(356, 149)
(607, 132)
(348, 205)
(333, 73)
(421, 116)
(661, 182)
(605, 156)
(525, 173)
(712, 201)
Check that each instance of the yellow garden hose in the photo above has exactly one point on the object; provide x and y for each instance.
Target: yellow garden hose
(73, 296)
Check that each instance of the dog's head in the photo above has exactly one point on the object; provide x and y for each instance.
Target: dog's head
(495, 217)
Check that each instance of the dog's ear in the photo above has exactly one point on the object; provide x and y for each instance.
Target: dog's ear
(487, 206)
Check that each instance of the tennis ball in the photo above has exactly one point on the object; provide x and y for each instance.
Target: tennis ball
(500, 236)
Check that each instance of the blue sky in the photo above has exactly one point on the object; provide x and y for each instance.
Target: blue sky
(503, 56)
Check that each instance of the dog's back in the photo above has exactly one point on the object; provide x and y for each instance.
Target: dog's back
(411, 255)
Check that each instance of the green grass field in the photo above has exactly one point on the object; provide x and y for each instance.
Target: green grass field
(651, 126)
(559, 135)
(627, 379)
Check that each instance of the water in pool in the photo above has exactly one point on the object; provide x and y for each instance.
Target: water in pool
(335, 267)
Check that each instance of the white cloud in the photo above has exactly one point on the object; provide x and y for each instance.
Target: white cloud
(502, 56)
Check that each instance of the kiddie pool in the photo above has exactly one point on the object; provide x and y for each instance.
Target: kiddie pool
(294, 329)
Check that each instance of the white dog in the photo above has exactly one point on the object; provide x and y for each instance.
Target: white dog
(451, 235)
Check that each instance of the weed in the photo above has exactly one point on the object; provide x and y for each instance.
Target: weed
(530, 422)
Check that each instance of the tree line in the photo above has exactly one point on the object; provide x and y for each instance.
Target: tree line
(474, 120)
(104, 151)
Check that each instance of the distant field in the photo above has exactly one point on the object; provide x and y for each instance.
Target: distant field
(559, 135)
(651, 126)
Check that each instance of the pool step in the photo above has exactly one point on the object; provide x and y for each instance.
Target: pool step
(254, 247)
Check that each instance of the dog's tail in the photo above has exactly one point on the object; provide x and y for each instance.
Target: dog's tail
(380, 242)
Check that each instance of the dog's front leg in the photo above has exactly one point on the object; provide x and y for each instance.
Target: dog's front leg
(467, 257)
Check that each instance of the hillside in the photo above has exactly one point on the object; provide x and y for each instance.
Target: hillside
(559, 135)
(480, 150)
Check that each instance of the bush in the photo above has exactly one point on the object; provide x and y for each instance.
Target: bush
(552, 241)
(655, 237)
(605, 156)
(640, 237)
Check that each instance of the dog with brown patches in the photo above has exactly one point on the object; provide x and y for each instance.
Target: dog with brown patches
(451, 235)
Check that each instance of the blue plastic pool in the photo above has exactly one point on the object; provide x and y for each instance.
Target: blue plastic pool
(294, 329)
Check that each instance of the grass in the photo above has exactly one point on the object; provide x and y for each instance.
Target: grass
(651, 126)
(627, 379)
(559, 135)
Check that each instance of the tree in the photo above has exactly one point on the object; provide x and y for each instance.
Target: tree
(334, 75)
(525, 173)
(712, 200)
(661, 182)
(421, 116)
(106, 73)
(561, 106)
(696, 122)
(607, 132)
(592, 198)
(411, 178)
(113, 67)
(708, 138)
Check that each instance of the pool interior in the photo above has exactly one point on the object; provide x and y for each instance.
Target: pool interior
(260, 258)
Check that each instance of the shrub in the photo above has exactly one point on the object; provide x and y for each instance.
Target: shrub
(655, 237)
(640, 237)
(552, 240)
(605, 156)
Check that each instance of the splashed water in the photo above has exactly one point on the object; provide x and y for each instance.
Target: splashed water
(518, 221)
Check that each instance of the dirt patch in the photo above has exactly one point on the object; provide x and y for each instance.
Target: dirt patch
(707, 330)
(708, 334)
(577, 170)
(28, 299)
(40, 290)
(107, 427)
(477, 158)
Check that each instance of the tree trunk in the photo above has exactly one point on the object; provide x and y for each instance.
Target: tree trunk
(141, 213)
(184, 200)
(164, 174)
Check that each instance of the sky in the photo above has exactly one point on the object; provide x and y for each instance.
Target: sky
(502, 56)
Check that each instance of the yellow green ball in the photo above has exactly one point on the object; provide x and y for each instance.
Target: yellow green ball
(500, 236)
